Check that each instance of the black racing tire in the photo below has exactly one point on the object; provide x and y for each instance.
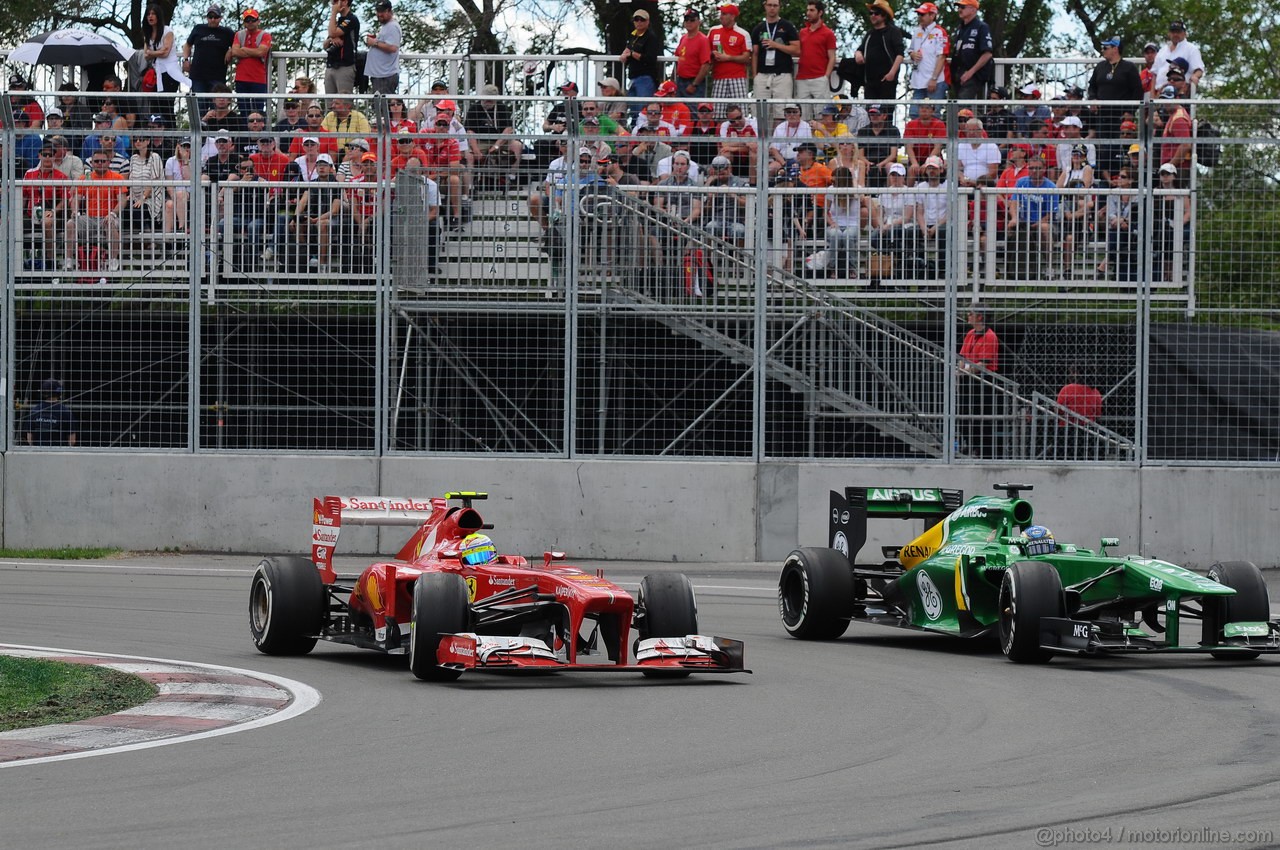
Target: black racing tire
(286, 605)
(440, 607)
(1252, 603)
(816, 594)
(670, 611)
(1029, 590)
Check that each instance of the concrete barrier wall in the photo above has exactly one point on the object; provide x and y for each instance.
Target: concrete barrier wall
(681, 511)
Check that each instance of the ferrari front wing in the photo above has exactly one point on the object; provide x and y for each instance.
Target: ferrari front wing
(692, 653)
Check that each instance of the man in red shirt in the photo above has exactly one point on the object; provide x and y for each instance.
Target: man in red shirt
(730, 56)
(741, 153)
(979, 354)
(250, 49)
(268, 162)
(46, 205)
(923, 126)
(1079, 398)
(1177, 125)
(443, 162)
(817, 60)
(406, 153)
(693, 58)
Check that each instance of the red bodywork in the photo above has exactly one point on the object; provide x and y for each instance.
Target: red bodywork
(382, 595)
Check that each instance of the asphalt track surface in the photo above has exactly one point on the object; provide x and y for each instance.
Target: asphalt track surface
(881, 739)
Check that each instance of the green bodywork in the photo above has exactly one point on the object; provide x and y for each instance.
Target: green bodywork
(955, 589)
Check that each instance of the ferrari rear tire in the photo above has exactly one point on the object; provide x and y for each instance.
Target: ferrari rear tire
(286, 605)
(1029, 590)
(440, 608)
(1252, 603)
(670, 611)
(815, 594)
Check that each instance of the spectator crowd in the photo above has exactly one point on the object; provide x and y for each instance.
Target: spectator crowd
(1058, 173)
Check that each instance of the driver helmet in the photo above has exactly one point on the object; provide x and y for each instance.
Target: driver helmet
(476, 549)
(1038, 540)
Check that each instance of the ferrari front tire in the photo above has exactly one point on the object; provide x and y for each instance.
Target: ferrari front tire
(670, 610)
(1029, 590)
(1251, 604)
(286, 605)
(815, 594)
(440, 608)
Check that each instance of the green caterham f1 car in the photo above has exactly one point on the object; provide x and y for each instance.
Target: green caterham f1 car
(983, 567)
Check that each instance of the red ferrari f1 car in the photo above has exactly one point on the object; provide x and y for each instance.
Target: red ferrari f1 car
(452, 603)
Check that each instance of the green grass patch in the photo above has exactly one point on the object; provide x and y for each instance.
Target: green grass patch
(66, 553)
(34, 692)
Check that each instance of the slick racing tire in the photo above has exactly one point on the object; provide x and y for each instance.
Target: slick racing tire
(670, 611)
(440, 608)
(1251, 603)
(1029, 590)
(286, 605)
(815, 594)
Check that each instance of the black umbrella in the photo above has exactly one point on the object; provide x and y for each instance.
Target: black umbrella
(69, 47)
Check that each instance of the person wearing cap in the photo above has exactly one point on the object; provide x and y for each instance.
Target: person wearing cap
(1029, 115)
(816, 59)
(50, 422)
(443, 160)
(63, 159)
(881, 53)
(1114, 79)
(925, 126)
(928, 51)
(1071, 131)
(1178, 129)
(930, 202)
(996, 117)
(786, 137)
(1078, 210)
(1172, 217)
(316, 208)
(383, 64)
(359, 204)
(205, 54)
(615, 108)
(222, 164)
(44, 207)
(674, 112)
(269, 162)
(693, 58)
(881, 142)
(492, 124)
(349, 164)
(467, 144)
(775, 45)
(341, 39)
(724, 214)
(730, 57)
(20, 101)
(978, 156)
(1178, 47)
(406, 153)
(1176, 75)
(972, 68)
(292, 120)
(893, 218)
(640, 60)
(829, 127)
(250, 50)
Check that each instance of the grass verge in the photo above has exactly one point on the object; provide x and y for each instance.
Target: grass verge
(66, 553)
(34, 692)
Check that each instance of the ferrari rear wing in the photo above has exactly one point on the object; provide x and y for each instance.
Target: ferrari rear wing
(850, 510)
(330, 513)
